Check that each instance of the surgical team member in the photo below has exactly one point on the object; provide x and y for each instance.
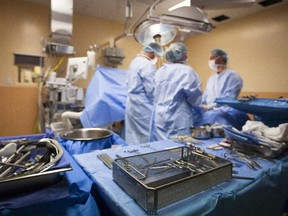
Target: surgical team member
(177, 90)
(139, 102)
(223, 83)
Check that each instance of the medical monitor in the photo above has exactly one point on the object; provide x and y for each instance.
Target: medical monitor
(77, 68)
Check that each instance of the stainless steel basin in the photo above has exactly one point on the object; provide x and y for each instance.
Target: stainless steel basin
(200, 132)
(85, 134)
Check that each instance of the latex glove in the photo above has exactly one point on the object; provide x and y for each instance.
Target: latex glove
(210, 106)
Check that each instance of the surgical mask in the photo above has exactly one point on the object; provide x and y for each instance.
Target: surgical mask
(154, 61)
(212, 65)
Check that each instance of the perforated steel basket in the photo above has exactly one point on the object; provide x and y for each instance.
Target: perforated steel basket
(149, 180)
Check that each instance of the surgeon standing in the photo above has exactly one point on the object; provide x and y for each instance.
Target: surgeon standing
(223, 83)
(140, 98)
(177, 90)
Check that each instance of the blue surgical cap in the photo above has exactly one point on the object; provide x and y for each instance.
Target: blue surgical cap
(220, 53)
(155, 48)
(176, 52)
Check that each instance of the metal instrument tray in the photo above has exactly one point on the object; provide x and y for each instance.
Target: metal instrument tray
(35, 164)
(157, 179)
(28, 183)
(251, 145)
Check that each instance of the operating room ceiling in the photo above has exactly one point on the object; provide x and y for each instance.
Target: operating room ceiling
(114, 10)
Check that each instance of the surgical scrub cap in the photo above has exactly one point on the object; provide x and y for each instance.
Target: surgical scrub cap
(220, 53)
(155, 48)
(176, 52)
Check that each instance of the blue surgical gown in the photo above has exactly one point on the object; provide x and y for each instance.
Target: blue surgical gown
(177, 90)
(139, 102)
(226, 84)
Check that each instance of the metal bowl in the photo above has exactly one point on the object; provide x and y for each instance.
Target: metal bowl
(217, 132)
(200, 132)
(85, 134)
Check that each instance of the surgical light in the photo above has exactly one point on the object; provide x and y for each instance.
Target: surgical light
(166, 20)
(149, 31)
(185, 3)
(192, 19)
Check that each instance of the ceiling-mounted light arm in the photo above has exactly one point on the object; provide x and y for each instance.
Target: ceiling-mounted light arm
(127, 31)
(120, 37)
(152, 7)
(128, 14)
(128, 10)
(137, 20)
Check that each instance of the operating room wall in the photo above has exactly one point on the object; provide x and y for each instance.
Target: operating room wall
(257, 47)
(23, 27)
